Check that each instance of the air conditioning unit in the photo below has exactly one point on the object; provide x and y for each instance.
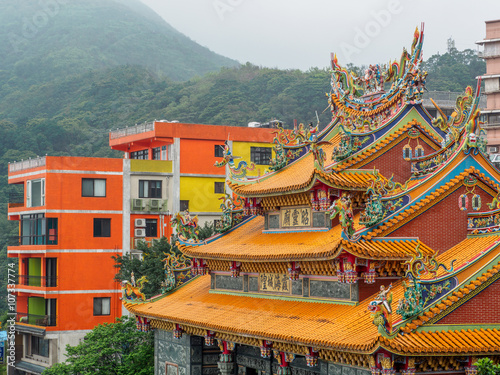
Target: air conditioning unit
(137, 205)
(140, 223)
(155, 204)
(140, 232)
(493, 149)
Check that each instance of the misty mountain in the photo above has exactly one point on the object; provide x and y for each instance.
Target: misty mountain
(46, 39)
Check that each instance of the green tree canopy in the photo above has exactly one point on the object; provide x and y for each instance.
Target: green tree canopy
(111, 349)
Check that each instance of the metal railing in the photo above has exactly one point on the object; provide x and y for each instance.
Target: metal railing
(131, 130)
(40, 239)
(37, 320)
(446, 99)
(45, 281)
(491, 125)
(27, 164)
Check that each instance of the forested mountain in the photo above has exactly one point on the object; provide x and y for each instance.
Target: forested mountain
(71, 70)
(43, 40)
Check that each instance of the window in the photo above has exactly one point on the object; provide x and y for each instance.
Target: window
(102, 227)
(163, 152)
(184, 205)
(38, 230)
(102, 306)
(39, 346)
(93, 187)
(260, 155)
(151, 228)
(142, 154)
(149, 189)
(157, 153)
(35, 193)
(219, 187)
(219, 151)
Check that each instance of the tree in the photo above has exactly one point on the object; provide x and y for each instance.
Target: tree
(150, 266)
(110, 348)
(485, 366)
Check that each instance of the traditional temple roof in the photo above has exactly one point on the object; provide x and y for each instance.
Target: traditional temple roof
(326, 325)
(248, 243)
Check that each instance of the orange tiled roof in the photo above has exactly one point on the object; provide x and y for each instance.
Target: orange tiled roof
(298, 175)
(248, 243)
(322, 325)
(458, 341)
(307, 323)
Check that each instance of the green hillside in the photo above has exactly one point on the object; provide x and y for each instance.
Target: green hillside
(42, 40)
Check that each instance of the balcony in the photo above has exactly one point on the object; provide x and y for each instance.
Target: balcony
(45, 281)
(148, 205)
(16, 199)
(27, 164)
(43, 239)
(137, 129)
(37, 320)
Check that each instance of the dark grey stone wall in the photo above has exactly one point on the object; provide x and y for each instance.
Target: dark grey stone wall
(185, 352)
(274, 221)
(228, 282)
(193, 357)
(305, 287)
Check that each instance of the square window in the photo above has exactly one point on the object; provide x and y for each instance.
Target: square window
(151, 228)
(219, 187)
(102, 306)
(157, 153)
(35, 193)
(260, 155)
(39, 346)
(93, 187)
(102, 227)
(149, 189)
(184, 206)
(219, 151)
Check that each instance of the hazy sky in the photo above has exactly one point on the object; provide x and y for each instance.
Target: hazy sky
(301, 34)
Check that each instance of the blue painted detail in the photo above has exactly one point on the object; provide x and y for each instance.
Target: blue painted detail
(435, 290)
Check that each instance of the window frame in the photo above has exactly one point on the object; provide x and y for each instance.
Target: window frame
(150, 191)
(156, 153)
(86, 179)
(100, 306)
(39, 346)
(219, 151)
(140, 154)
(261, 155)
(218, 185)
(185, 203)
(151, 228)
(29, 192)
(104, 229)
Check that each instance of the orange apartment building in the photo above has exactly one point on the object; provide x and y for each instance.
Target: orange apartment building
(75, 213)
(70, 224)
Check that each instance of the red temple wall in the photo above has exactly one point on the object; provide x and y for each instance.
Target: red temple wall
(482, 308)
(433, 226)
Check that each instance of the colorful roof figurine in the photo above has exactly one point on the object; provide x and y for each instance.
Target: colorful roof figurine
(373, 244)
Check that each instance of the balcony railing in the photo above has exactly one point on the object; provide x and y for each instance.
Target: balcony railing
(16, 199)
(45, 281)
(27, 164)
(446, 99)
(37, 320)
(491, 125)
(43, 239)
(137, 129)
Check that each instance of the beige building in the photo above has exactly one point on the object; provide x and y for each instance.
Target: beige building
(491, 53)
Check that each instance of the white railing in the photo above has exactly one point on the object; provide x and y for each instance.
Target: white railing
(27, 164)
(131, 130)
